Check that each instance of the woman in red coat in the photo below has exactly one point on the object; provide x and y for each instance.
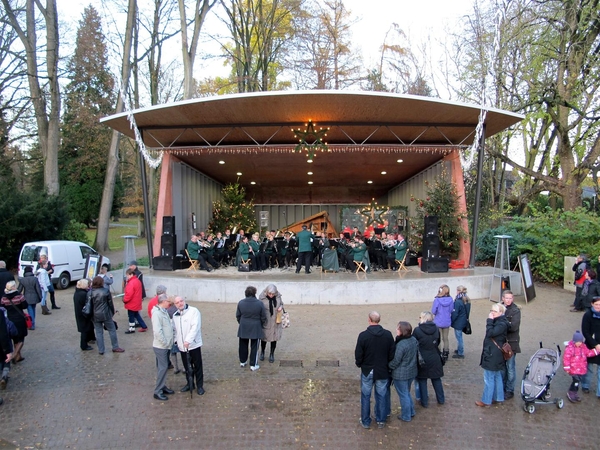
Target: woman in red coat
(133, 301)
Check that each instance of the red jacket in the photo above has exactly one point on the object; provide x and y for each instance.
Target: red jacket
(133, 295)
(575, 359)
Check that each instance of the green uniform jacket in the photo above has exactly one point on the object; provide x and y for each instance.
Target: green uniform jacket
(359, 251)
(401, 248)
(304, 244)
(193, 249)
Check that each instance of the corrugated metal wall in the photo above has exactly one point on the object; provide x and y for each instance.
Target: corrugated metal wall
(415, 186)
(193, 192)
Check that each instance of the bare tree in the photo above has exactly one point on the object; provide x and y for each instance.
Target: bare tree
(44, 87)
(189, 46)
(101, 243)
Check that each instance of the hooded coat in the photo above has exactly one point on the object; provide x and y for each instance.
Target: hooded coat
(442, 310)
(460, 313)
(272, 330)
(428, 337)
(491, 356)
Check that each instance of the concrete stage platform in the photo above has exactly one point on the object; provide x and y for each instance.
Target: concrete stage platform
(317, 288)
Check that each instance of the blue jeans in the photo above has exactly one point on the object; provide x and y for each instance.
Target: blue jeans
(492, 386)
(133, 316)
(31, 311)
(459, 339)
(406, 403)
(587, 378)
(437, 387)
(381, 388)
(511, 374)
(44, 295)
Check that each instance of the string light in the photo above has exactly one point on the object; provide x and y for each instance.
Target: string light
(310, 140)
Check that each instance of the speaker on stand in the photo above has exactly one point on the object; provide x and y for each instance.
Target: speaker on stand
(169, 225)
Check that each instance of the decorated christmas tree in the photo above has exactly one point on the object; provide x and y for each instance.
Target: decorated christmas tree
(441, 201)
(233, 211)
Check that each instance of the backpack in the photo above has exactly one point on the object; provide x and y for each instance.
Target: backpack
(10, 326)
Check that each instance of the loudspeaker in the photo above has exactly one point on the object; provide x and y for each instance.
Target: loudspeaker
(163, 263)
(168, 224)
(411, 259)
(168, 244)
(434, 265)
(430, 226)
(431, 246)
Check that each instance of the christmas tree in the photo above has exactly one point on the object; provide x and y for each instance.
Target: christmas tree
(233, 211)
(441, 201)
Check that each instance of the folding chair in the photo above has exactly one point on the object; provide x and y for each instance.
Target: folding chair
(193, 263)
(401, 265)
(359, 266)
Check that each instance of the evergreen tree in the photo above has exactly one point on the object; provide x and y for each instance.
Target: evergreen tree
(441, 201)
(85, 143)
(233, 211)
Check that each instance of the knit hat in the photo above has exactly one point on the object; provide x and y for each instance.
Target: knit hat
(578, 337)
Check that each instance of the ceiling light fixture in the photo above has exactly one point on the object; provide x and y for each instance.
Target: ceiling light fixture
(400, 161)
(253, 182)
(383, 173)
(310, 182)
(239, 174)
(310, 173)
(369, 182)
(221, 162)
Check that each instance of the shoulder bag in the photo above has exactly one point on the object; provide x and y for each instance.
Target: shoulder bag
(285, 319)
(506, 350)
(87, 308)
(467, 328)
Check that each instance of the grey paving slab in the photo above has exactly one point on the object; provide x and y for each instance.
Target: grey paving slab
(60, 397)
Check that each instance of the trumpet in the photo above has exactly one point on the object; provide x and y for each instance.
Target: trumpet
(204, 244)
(390, 243)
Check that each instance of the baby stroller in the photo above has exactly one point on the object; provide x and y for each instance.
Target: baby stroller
(535, 387)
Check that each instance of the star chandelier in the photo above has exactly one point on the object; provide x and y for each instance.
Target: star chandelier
(311, 140)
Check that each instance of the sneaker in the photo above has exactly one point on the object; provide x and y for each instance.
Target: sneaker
(380, 425)
(457, 356)
(142, 330)
(3, 383)
(243, 364)
(366, 427)
(456, 352)
(118, 350)
(572, 396)
(508, 395)
(254, 368)
(130, 331)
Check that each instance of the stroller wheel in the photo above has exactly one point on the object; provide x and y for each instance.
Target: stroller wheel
(529, 407)
(560, 403)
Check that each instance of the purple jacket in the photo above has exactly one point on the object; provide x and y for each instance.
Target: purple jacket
(442, 310)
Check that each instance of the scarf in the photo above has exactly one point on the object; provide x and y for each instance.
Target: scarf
(272, 303)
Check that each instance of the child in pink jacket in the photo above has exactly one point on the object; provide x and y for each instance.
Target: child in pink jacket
(575, 363)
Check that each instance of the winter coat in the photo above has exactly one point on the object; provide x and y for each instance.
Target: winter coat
(304, 239)
(442, 310)
(272, 330)
(188, 328)
(140, 276)
(6, 346)
(43, 279)
(590, 328)
(15, 305)
(30, 288)
(84, 324)
(575, 358)
(593, 291)
(133, 295)
(460, 313)
(5, 277)
(162, 328)
(102, 305)
(580, 270)
(374, 350)
(513, 316)
(491, 356)
(428, 337)
(404, 364)
(252, 317)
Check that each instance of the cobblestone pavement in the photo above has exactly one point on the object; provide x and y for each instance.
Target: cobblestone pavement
(60, 397)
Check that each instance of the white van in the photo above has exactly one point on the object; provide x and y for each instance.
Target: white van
(67, 257)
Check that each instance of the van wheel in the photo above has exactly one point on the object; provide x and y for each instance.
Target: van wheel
(64, 280)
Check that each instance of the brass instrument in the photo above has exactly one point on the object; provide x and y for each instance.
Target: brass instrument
(390, 243)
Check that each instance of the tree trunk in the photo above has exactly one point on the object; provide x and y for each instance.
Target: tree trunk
(101, 243)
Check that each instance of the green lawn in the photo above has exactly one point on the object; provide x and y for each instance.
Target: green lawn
(124, 227)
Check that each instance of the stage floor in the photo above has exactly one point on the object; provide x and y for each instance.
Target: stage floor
(227, 285)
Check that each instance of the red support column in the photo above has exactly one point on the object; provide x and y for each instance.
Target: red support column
(453, 158)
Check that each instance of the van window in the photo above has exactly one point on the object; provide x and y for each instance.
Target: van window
(85, 251)
(32, 253)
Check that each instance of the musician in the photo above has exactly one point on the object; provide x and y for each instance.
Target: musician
(246, 252)
(207, 250)
(358, 250)
(304, 250)
(355, 232)
(401, 247)
(376, 251)
(231, 246)
(322, 244)
(271, 250)
(286, 251)
(259, 257)
(193, 249)
(390, 248)
(221, 253)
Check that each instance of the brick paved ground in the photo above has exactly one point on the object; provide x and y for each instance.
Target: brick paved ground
(60, 397)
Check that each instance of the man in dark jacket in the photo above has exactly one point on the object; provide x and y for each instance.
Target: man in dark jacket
(5, 275)
(374, 350)
(590, 328)
(513, 316)
(252, 317)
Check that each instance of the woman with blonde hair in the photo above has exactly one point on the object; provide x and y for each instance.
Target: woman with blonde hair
(442, 310)
(272, 331)
(428, 338)
(15, 304)
(492, 358)
(460, 318)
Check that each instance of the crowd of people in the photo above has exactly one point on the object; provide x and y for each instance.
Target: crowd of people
(377, 251)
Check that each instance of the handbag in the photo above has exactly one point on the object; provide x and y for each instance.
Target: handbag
(278, 317)
(243, 267)
(87, 308)
(285, 319)
(28, 319)
(467, 328)
(506, 350)
(420, 361)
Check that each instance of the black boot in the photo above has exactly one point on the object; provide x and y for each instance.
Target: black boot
(262, 355)
(272, 357)
(53, 301)
(445, 354)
